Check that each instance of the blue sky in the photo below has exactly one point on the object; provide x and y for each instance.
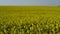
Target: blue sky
(30, 2)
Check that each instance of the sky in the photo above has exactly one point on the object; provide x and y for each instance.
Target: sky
(30, 2)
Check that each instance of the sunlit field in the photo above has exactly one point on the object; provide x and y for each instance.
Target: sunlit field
(29, 20)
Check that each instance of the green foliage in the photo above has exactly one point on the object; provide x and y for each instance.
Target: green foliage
(29, 25)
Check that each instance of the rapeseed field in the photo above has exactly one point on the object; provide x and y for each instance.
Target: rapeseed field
(29, 20)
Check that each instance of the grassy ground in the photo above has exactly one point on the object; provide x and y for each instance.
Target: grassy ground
(29, 20)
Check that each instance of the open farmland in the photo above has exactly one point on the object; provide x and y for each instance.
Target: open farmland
(29, 20)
